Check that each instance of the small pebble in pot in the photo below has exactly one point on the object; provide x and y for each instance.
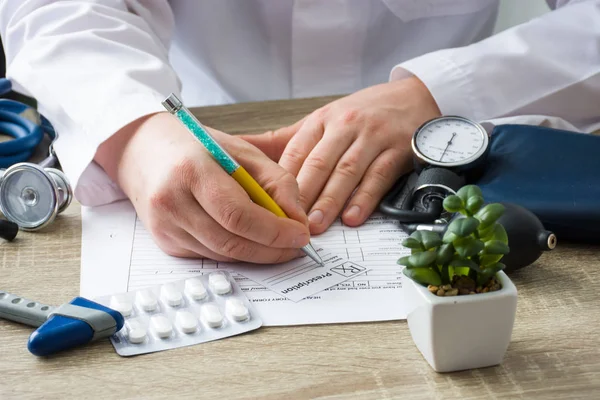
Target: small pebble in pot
(432, 289)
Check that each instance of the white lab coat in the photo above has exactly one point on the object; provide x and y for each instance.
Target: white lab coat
(94, 66)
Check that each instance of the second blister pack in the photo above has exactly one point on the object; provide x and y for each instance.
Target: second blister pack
(181, 313)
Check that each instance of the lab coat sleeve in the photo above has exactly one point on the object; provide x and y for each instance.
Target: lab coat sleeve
(93, 67)
(549, 66)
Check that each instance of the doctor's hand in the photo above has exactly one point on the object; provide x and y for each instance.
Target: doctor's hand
(191, 206)
(358, 144)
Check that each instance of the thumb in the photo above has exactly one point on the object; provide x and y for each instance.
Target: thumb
(273, 143)
(276, 181)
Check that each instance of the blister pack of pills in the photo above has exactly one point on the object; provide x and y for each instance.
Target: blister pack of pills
(181, 313)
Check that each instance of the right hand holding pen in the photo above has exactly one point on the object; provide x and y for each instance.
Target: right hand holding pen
(191, 206)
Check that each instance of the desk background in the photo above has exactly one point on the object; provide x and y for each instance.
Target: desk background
(554, 353)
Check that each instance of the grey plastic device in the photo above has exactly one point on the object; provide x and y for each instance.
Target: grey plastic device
(25, 311)
(102, 323)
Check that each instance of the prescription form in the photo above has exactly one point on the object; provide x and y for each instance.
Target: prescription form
(118, 255)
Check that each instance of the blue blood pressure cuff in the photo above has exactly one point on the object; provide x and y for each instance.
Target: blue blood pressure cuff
(553, 173)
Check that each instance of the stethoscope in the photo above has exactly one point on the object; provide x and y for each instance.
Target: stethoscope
(449, 152)
(31, 195)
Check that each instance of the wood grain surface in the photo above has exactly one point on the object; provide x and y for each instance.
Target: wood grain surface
(554, 353)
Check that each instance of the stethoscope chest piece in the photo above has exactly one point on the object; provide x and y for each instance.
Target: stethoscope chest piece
(32, 196)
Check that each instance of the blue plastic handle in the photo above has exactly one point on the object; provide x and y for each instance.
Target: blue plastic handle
(60, 333)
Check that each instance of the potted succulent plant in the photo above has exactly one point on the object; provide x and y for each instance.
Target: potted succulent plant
(463, 304)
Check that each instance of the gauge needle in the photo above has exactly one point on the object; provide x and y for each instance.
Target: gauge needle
(448, 145)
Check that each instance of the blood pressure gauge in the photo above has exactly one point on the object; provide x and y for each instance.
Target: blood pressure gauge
(451, 142)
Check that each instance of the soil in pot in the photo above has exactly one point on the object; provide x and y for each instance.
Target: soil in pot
(462, 285)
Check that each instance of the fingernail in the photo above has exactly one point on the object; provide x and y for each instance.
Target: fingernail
(300, 241)
(353, 212)
(316, 217)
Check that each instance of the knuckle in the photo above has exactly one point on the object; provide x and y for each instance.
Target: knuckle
(348, 166)
(368, 195)
(233, 247)
(352, 116)
(383, 171)
(275, 238)
(328, 202)
(285, 181)
(163, 201)
(185, 170)
(322, 112)
(377, 128)
(233, 218)
(304, 200)
(317, 162)
(293, 156)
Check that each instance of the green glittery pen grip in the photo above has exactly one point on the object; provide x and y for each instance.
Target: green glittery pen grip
(176, 107)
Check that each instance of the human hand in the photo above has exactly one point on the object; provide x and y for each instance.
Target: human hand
(191, 206)
(351, 150)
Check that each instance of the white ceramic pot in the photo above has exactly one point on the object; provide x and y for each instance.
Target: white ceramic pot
(461, 332)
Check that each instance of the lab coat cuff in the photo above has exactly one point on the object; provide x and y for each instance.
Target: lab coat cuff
(76, 152)
(447, 82)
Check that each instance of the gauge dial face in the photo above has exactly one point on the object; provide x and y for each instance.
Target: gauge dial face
(450, 141)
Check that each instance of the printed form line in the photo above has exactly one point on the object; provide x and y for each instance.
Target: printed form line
(376, 245)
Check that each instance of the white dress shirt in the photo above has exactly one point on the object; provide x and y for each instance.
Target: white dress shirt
(95, 66)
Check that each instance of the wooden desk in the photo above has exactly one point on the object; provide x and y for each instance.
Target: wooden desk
(554, 352)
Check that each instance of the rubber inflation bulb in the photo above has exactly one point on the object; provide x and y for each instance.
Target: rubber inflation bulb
(8, 229)
(527, 237)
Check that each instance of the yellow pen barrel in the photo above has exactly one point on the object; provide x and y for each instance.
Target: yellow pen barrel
(256, 192)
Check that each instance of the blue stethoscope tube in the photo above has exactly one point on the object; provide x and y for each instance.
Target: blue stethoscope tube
(16, 121)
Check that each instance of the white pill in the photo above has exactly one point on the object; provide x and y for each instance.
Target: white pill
(195, 288)
(237, 309)
(212, 315)
(186, 321)
(136, 332)
(171, 295)
(219, 283)
(121, 304)
(147, 300)
(162, 326)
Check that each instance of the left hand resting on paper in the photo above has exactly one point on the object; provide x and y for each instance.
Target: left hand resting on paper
(359, 142)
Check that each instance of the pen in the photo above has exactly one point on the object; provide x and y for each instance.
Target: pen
(258, 195)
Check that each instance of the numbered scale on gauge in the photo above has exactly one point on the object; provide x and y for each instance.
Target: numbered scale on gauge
(450, 142)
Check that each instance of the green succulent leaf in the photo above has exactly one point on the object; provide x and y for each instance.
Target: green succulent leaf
(496, 247)
(453, 203)
(468, 246)
(474, 204)
(422, 260)
(486, 260)
(449, 237)
(412, 243)
(468, 191)
(461, 270)
(424, 276)
(458, 261)
(489, 272)
(430, 239)
(404, 261)
(495, 267)
(494, 232)
(444, 254)
(463, 226)
(489, 214)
